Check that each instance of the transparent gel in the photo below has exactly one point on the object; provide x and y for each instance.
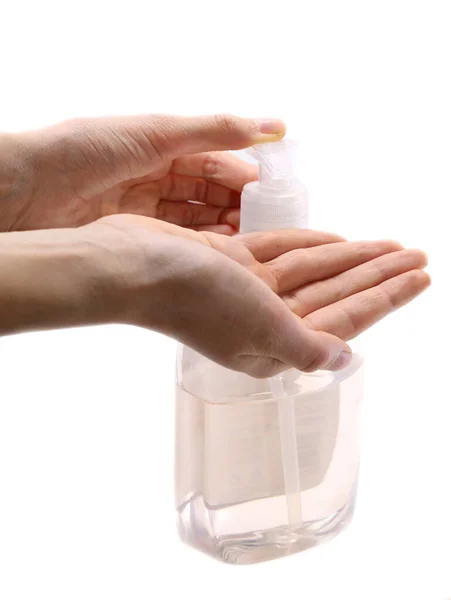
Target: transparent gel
(243, 495)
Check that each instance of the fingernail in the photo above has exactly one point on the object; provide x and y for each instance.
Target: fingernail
(341, 361)
(270, 130)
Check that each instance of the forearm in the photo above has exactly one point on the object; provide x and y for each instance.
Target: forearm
(50, 279)
(93, 275)
(15, 180)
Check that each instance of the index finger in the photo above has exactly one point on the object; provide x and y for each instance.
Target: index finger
(223, 168)
(351, 316)
(268, 245)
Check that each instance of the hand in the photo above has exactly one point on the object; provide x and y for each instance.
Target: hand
(76, 172)
(223, 310)
(229, 298)
(119, 270)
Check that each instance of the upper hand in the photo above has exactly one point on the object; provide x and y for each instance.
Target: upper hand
(75, 172)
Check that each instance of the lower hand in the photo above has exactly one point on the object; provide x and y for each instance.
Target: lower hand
(259, 302)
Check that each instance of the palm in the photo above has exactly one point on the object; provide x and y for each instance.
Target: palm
(338, 287)
(335, 286)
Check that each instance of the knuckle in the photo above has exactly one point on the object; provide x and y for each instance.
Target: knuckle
(201, 190)
(160, 137)
(149, 141)
(380, 271)
(150, 138)
(291, 299)
(277, 273)
(212, 165)
(229, 124)
(315, 362)
(189, 215)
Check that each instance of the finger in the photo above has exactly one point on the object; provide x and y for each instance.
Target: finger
(349, 317)
(181, 187)
(189, 214)
(300, 348)
(312, 297)
(267, 245)
(222, 229)
(300, 267)
(320, 351)
(222, 168)
(173, 136)
(131, 147)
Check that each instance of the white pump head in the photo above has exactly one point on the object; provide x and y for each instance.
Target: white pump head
(277, 200)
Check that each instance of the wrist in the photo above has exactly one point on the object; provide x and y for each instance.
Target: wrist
(149, 270)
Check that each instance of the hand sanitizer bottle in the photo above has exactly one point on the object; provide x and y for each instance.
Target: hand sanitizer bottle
(265, 468)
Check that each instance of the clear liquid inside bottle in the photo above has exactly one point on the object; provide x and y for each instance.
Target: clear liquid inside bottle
(231, 493)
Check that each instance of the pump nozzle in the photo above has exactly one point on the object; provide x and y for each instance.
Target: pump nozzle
(277, 200)
(276, 162)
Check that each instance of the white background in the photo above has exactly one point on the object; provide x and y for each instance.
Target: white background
(86, 416)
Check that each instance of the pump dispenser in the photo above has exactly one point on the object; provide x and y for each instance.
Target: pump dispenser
(265, 467)
(278, 200)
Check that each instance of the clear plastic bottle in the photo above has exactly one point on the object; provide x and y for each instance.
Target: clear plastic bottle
(265, 468)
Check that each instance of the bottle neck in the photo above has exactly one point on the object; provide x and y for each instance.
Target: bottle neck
(268, 181)
(265, 209)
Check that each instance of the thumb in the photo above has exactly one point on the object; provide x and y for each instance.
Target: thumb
(135, 146)
(296, 346)
(167, 136)
(309, 350)
(187, 135)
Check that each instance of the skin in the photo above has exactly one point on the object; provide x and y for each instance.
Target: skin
(99, 227)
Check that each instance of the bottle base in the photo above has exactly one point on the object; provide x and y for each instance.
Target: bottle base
(256, 546)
